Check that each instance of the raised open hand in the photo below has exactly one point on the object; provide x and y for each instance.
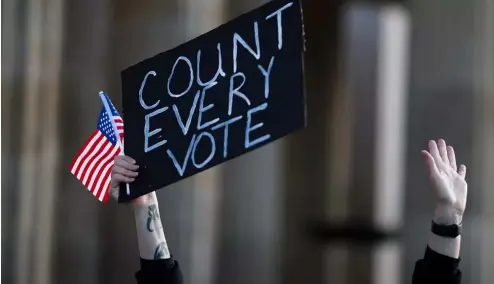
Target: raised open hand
(448, 182)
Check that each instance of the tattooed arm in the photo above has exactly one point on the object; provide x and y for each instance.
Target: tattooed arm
(157, 264)
(150, 235)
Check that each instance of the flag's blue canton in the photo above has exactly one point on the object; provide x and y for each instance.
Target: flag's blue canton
(105, 127)
(113, 110)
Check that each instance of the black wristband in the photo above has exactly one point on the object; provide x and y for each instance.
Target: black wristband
(448, 231)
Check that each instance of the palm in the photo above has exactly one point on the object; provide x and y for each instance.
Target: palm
(448, 183)
(451, 188)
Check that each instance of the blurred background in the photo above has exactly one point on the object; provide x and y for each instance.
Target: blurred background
(345, 200)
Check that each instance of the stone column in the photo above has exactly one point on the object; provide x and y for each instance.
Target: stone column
(391, 122)
(307, 163)
(375, 55)
(39, 138)
(484, 141)
(12, 78)
(79, 245)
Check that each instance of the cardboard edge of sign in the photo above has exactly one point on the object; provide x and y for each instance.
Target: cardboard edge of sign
(123, 197)
(304, 49)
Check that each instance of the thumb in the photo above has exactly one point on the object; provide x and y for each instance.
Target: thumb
(431, 164)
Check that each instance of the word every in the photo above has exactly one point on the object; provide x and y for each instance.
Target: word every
(222, 90)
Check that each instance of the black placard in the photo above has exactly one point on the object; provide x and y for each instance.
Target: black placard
(216, 97)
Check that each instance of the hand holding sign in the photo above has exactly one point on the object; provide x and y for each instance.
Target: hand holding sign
(124, 170)
(216, 97)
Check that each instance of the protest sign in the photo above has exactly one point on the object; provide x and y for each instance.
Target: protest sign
(216, 97)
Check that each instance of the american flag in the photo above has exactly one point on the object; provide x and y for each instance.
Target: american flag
(93, 164)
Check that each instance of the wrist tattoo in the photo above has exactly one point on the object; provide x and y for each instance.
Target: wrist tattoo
(160, 251)
(152, 216)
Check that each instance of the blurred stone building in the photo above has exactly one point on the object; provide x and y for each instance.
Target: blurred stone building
(382, 78)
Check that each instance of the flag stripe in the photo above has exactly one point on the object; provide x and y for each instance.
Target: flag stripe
(83, 151)
(104, 174)
(92, 186)
(90, 147)
(106, 185)
(94, 151)
(90, 173)
(114, 152)
(105, 199)
(91, 162)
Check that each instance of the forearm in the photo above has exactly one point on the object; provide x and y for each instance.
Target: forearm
(446, 246)
(150, 235)
(441, 259)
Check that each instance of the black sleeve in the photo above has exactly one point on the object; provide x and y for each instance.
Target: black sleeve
(436, 268)
(163, 271)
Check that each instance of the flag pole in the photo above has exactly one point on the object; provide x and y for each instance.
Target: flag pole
(108, 112)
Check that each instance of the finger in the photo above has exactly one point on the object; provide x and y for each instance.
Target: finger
(124, 163)
(434, 151)
(431, 164)
(128, 166)
(128, 159)
(117, 177)
(123, 171)
(442, 151)
(462, 171)
(452, 157)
